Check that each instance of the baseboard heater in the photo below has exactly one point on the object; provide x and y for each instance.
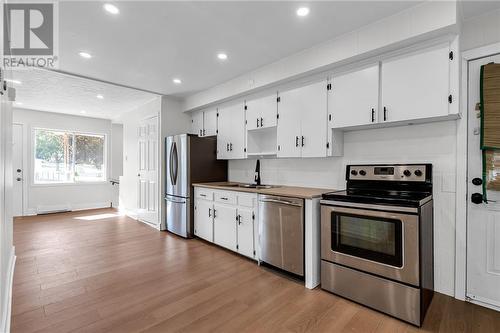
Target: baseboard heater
(53, 211)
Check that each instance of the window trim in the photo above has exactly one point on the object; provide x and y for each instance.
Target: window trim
(74, 182)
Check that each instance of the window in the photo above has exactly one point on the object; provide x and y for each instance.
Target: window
(67, 157)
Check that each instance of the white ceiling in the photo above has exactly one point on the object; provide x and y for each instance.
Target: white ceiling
(55, 92)
(151, 42)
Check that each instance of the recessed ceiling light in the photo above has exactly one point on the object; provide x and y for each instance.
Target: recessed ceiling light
(83, 112)
(13, 81)
(111, 9)
(222, 56)
(85, 55)
(100, 96)
(177, 81)
(302, 11)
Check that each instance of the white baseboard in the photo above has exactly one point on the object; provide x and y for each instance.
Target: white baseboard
(7, 301)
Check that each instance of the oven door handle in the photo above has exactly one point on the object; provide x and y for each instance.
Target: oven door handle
(370, 209)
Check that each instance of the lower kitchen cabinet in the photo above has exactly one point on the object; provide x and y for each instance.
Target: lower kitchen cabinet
(203, 219)
(225, 226)
(228, 219)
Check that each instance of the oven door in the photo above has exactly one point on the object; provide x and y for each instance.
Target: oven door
(378, 242)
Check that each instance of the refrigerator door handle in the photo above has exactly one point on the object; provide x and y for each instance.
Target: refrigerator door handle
(179, 202)
(174, 164)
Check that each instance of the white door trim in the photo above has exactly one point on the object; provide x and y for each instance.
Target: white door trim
(26, 156)
(461, 192)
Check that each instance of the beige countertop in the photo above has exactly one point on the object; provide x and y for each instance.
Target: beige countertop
(286, 191)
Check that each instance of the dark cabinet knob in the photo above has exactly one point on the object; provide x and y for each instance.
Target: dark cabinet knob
(476, 198)
(18, 179)
(19, 170)
(477, 181)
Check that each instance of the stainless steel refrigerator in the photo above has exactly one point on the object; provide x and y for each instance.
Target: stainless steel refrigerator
(189, 159)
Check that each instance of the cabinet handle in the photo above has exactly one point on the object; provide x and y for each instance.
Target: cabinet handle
(203, 195)
(200, 132)
(385, 113)
(223, 198)
(210, 212)
(296, 141)
(231, 146)
(302, 141)
(227, 147)
(238, 219)
(261, 122)
(257, 122)
(214, 213)
(373, 115)
(203, 132)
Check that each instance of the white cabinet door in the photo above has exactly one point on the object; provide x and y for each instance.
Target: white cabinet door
(225, 226)
(224, 130)
(353, 98)
(203, 219)
(416, 86)
(246, 232)
(237, 142)
(197, 123)
(314, 119)
(289, 129)
(210, 122)
(261, 112)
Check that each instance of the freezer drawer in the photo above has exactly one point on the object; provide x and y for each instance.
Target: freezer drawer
(179, 216)
(281, 226)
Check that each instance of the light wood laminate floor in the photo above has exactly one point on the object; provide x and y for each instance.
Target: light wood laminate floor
(89, 272)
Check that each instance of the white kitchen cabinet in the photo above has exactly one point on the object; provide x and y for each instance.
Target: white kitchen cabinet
(197, 123)
(210, 122)
(231, 132)
(203, 219)
(261, 112)
(416, 86)
(204, 123)
(353, 98)
(246, 220)
(225, 226)
(302, 123)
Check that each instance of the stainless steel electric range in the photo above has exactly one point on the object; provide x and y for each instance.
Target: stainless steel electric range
(377, 239)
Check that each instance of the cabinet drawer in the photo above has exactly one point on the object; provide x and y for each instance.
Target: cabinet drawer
(225, 197)
(247, 200)
(204, 193)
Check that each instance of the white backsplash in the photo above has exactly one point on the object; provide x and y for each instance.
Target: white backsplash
(425, 143)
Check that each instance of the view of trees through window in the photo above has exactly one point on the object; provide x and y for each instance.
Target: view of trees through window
(65, 157)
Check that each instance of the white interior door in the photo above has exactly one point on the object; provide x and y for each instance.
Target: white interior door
(18, 171)
(483, 220)
(148, 171)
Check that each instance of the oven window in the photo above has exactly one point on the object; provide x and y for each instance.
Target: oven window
(371, 238)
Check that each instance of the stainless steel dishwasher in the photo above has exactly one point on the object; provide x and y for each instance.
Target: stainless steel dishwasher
(281, 226)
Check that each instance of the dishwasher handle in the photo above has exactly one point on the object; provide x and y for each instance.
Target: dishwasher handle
(284, 202)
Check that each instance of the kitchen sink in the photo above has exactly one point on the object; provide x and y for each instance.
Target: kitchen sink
(251, 186)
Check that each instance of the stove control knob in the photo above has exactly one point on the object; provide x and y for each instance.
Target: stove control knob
(418, 173)
(407, 173)
(354, 172)
(362, 172)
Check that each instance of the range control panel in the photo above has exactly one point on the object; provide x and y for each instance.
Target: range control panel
(400, 172)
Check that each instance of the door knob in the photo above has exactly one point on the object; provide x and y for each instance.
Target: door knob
(19, 170)
(19, 179)
(476, 198)
(477, 181)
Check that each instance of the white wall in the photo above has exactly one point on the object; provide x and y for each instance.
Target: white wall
(172, 121)
(481, 30)
(426, 143)
(62, 196)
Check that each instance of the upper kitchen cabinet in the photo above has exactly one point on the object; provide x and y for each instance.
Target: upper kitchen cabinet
(353, 98)
(261, 112)
(302, 122)
(197, 123)
(416, 86)
(231, 132)
(204, 123)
